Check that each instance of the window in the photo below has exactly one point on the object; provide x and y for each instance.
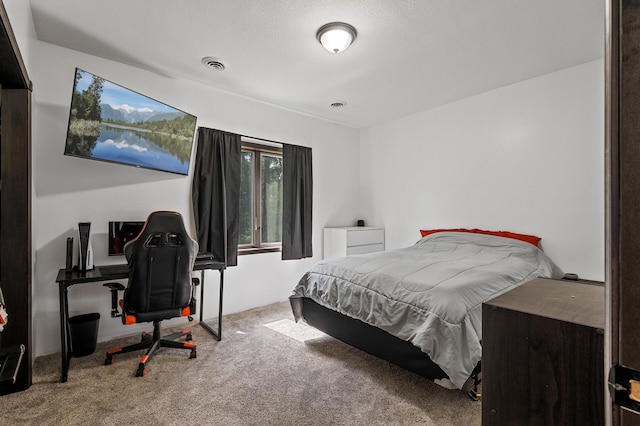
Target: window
(260, 227)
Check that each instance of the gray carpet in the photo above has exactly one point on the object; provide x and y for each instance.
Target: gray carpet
(280, 374)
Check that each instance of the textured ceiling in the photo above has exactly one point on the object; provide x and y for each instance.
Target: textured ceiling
(409, 55)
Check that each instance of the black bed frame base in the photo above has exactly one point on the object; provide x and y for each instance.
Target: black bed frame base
(376, 342)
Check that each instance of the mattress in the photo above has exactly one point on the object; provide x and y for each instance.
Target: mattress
(431, 293)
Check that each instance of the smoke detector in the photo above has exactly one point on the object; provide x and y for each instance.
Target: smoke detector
(213, 63)
(338, 104)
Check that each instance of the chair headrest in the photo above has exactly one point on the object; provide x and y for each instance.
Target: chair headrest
(169, 224)
(167, 221)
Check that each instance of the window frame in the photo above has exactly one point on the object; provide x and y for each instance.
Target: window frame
(273, 149)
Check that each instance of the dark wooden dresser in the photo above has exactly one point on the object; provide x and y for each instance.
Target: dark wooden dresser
(543, 355)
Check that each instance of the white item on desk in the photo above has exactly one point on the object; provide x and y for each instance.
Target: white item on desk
(85, 250)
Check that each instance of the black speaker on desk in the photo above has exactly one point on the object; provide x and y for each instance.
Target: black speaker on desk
(69, 260)
(85, 252)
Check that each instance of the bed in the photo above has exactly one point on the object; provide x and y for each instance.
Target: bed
(419, 307)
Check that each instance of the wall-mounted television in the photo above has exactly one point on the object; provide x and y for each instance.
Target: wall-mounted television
(111, 123)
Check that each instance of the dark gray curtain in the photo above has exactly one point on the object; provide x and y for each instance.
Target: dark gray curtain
(215, 193)
(297, 202)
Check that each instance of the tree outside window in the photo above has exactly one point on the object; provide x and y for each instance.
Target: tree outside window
(260, 198)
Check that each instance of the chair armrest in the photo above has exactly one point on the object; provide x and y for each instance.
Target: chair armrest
(114, 288)
(192, 303)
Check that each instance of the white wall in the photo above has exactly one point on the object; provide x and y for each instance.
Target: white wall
(70, 190)
(19, 12)
(528, 158)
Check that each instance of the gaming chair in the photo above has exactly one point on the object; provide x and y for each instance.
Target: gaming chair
(160, 285)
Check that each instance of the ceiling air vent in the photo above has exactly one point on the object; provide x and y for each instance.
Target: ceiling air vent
(213, 63)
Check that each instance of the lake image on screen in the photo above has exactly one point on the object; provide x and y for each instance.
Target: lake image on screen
(111, 123)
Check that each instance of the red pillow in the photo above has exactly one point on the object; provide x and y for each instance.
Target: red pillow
(425, 232)
(531, 239)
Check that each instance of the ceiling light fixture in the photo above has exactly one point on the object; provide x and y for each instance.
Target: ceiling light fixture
(336, 37)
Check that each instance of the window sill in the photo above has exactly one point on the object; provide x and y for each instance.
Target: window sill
(257, 250)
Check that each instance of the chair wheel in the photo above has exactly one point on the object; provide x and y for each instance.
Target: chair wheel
(141, 371)
(188, 337)
(474, 395)
(193, 353)
(108, 360)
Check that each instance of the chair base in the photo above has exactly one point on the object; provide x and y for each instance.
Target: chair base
(152, 343)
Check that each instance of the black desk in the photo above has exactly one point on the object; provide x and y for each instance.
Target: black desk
(66, 279)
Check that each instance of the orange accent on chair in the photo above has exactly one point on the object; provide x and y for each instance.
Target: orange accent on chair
(144, 359)
(114, 351)
(129, 319)
(186, 311)
(189, 345)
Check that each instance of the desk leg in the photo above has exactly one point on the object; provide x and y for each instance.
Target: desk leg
(201, 295)
(220, 305)
(64, 331)
(216, 333)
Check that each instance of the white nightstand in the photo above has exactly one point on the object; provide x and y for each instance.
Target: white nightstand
(344, 241)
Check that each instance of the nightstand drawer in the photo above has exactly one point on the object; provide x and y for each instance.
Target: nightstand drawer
(369, 248)
(343, 241)
(365, 237)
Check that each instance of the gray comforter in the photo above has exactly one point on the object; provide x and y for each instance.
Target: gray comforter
(430, 293)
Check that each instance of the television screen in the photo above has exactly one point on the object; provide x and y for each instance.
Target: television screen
(111, 123)
(121, 233)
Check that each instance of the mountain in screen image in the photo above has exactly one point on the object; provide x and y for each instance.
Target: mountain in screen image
(128, 114)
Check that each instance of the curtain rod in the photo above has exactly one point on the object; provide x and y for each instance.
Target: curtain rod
(261, 140)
